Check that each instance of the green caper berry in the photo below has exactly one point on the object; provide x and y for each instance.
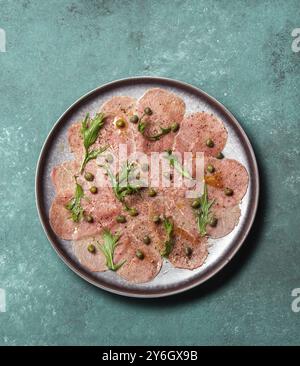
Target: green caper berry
(210, 143)
(94, 190)
(196, 203)
(89, 218)
(120, 123)
(139, 254)
(109, 159)
(220, 155)
(156, 219)
(146, 240)
(121, 219)
(134, 119)
(210, 168)
(213, 222)
(148, 111)
(169, 151)
(145, 167)
(152, 192)
(188, 251)
(133, 212)
(89, 176)
(228, 191)
(91, 248)
(174, 127)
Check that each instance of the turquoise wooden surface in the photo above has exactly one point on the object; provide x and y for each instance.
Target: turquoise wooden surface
(238, 51)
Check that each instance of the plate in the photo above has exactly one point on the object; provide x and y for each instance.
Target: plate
(170, 280)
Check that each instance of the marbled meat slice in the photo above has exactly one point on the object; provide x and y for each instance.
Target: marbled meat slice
(228, 218)
(167, 108)
(182, 240)
(96, 261)
(134, 269)
(62, 177)
(229, 173)
(196, 129)
(102, 207)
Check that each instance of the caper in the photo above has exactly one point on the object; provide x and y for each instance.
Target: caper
(139, 254)
(152, 192)
(89, 176)
(109, 158)
(220, 155)
(145, 167)
(120, 123)
(196, 203)
(213, 221)
(228, 191)
(169, 151)
(121, 219)
(188, 251)
(210, 143)
(156, 219)
(94, 190)
(148, 111)
(210, 168)
(174, 127)
(134, 119)
(89, 218)
(133, 212)
(146, 240)
(91, 248)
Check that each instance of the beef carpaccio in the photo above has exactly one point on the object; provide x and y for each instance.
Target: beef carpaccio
(117, 216)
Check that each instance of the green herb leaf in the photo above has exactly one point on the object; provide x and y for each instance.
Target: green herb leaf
(204, 214)
(90, 155)
(175, 163)
(120, 183)
(74, 205)
(163, 131)
(169, 243)
(89, 131)
(108, 249)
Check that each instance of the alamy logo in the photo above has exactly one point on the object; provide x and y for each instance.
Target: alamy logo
(2, 40)
(2, 301)
(296, 302)
(296, 41)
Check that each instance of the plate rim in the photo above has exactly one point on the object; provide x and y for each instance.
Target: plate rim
(221, 263)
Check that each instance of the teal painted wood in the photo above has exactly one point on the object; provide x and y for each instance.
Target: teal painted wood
(239, 52)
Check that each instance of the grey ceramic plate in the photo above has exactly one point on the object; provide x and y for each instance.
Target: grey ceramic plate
(170, 280)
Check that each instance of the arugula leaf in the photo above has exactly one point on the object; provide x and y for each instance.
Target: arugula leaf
(89, 131)
(163, 131)
(169, 243)
(74, 205)
(120, 183)
(142, 126)
(90, 155)
(108, 249)
(204, 214)
(175, 163)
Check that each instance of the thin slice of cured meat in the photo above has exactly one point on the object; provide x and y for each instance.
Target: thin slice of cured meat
(167, 108)
(102, 208)
(62, 177)
(196, 129)
(120, 107)
(134, 269)
(96, 261)
(116, 108)
(228, 218)
(229, 173)
(183, 240)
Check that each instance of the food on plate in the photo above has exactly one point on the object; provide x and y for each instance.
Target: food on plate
(116, 215)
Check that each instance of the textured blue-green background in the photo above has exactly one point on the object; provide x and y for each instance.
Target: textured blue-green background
(238, 51)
